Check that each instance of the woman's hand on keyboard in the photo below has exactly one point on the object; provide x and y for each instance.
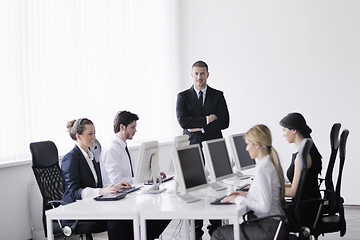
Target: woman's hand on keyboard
(229, 199)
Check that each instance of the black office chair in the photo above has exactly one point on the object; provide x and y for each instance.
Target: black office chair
(96, 150)
(329, 191)
(45, 165)
(299, 229)
(334, 146)
(334, 219)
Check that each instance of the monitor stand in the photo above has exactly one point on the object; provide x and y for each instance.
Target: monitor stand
(155, 189)
(242, 176)
(188, 198)
(217, 186)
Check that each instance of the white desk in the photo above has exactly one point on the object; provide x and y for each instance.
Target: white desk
(172, 207)
(89, 209)
(139, 207)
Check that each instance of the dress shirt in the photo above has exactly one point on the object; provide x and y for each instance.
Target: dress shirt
(89, 192)
(115, 163)
(264, 193)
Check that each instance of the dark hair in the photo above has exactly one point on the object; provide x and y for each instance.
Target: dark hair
(200, 64)
(77, 126)
(296, 121)
(124, 118)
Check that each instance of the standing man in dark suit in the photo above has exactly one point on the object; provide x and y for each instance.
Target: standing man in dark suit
(202, 113)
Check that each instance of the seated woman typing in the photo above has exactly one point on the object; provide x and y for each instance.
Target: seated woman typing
(266, 195)
(83, 177)
(295, 130)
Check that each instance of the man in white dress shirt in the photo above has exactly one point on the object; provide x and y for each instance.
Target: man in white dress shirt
(117, 166)
(116, 163)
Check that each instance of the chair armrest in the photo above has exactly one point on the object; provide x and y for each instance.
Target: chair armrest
(281, 218)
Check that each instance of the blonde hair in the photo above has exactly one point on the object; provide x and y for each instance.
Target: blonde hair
(261, 135)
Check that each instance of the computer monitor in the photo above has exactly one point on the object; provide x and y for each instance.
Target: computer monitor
(189, 169)
(148, 164)
(241, 157)
(179, 141)
(217, 162)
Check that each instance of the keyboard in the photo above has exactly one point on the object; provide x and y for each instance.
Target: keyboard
(243, 187)
(218, 201)
(150, 182)
(111, 197)
(131, 189)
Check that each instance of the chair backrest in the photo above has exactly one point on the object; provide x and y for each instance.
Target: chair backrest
(339, 200)
(343, 140)
(294, 212)
(334, 144)
(303, 153)
(48, 175)
(45, 165)
(96, 150)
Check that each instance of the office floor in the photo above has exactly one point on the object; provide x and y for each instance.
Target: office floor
(176, 231)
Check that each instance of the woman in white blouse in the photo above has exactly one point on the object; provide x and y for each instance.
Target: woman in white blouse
(266, 194)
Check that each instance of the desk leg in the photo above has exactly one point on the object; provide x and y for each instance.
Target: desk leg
(143, 228)
(192, 224)
(187, 228)
(236, 229)
(49, 227)
(136, 224)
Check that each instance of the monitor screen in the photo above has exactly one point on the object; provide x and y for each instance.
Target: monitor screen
(189, 168)
(217, 159)
(242, 158)
(179, 141)
(148, 165)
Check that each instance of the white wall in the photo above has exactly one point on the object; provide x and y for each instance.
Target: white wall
(15, 202)
(275, 57)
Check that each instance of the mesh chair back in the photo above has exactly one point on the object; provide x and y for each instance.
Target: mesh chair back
(45, 165)
(48, 175)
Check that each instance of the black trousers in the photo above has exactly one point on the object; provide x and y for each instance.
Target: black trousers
(124, 230)
(263, 230)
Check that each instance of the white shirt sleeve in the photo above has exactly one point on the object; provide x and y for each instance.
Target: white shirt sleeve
(90, 192)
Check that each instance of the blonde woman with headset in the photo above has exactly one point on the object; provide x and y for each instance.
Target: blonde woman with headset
(266, 194)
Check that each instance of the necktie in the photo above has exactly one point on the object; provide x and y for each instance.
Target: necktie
(201, 99)
(98, 172)
(127, 151)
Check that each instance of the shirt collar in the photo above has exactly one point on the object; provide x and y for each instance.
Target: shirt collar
(263, 160)
(120, 141)
(204, 90)
(88, 156)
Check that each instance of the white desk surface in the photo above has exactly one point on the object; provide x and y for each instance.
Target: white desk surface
(141, 206)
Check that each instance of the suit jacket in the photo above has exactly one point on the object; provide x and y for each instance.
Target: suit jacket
(77, 175)
(190, 114)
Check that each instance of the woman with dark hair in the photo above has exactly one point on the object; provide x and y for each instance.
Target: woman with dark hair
(295, 130)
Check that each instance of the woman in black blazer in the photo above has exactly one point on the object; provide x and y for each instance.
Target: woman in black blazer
(83, 177)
